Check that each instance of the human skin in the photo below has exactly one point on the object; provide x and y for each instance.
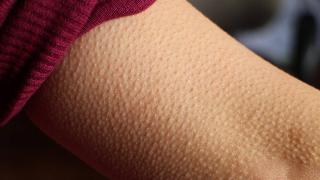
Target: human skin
(166, 94)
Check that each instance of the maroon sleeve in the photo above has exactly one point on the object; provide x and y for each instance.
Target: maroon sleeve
(34, 36)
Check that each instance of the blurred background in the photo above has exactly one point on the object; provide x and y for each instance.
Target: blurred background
(285, 32)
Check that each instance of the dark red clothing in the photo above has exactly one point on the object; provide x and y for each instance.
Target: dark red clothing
(34, 36)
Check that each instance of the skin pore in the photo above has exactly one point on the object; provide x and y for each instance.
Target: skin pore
(166, 94)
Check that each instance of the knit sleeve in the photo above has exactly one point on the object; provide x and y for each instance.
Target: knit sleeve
(34, 36)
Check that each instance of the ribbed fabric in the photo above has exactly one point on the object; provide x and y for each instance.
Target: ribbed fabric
(34, 35)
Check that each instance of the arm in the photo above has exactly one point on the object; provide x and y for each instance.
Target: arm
(167, 95)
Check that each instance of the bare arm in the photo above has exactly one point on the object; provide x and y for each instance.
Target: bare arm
(167, 95)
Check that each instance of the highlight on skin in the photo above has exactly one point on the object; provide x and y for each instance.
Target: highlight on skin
(166, 94)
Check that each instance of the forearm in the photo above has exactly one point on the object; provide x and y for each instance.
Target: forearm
(168, 95)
